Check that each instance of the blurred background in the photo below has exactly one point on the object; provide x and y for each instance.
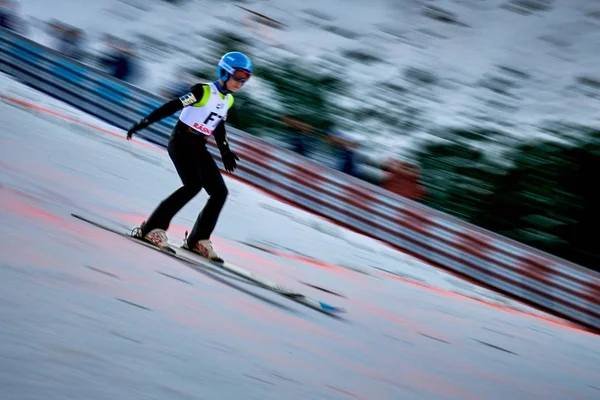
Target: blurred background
(486, 110)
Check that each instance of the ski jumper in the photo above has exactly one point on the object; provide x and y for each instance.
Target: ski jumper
(204, 113)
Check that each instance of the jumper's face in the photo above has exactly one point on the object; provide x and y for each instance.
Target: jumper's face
(232, 85)
(237, 80)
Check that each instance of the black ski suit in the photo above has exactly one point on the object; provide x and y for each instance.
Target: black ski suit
(196, 168)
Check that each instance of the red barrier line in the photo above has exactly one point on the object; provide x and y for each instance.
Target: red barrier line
(589, 311)
(291, 202)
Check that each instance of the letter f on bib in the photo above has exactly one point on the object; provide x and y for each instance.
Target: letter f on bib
(211, 118)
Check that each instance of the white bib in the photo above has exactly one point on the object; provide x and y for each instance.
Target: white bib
(206, 115)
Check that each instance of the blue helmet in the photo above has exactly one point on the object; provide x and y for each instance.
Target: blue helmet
(232, 61)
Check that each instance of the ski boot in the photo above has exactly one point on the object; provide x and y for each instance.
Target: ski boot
(156, 237)
(204, 249)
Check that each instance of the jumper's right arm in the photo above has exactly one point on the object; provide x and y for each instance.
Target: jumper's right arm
(170, 107)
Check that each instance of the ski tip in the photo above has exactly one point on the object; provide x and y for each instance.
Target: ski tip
(331, 309)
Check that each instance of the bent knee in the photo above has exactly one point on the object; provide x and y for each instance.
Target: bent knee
(192, 189)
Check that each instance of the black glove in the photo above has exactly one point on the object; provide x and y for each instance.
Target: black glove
(229, 160)
(141, 124)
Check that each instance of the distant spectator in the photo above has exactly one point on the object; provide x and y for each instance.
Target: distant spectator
(67, 40)
(119, 60)
(106, 54)
(403, 179)
(299, 134)
(72, 43)
(122, 66)
(346, 152)
(56, 31)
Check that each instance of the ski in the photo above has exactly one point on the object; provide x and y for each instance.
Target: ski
(282, 290)
(249, 277)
